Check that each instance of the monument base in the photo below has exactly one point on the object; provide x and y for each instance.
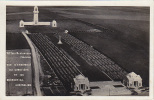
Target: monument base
(22, 23)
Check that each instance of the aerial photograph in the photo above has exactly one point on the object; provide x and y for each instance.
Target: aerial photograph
(77, 50)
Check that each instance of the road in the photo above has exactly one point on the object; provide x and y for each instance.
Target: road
(35, 65)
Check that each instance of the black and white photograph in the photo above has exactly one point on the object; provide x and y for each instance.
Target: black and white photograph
(77, 50)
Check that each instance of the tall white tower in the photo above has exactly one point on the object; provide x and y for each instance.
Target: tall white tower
(35, 20)
(35, 15)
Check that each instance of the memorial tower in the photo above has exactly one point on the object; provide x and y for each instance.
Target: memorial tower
(35, 20)
(35, 15)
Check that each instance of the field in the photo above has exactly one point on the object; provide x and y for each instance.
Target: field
(16, 41)
(128, 41)
(124, 35)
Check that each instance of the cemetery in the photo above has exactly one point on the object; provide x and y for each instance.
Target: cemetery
(74, 61)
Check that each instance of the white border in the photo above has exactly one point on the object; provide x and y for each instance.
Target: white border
(148, 3)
